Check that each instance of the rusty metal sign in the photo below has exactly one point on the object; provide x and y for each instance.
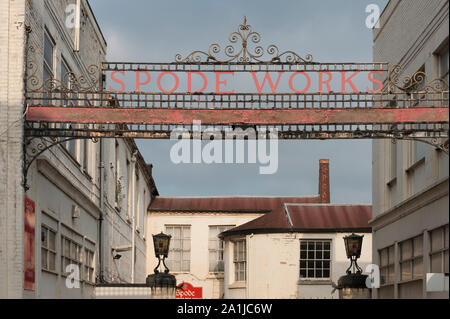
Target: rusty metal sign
(395, 106)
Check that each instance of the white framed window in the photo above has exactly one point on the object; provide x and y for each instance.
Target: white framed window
(315, 259)
(179, 259)
(387, 265)
(215, 248)
(88, 271)
(70, 254)
(48, 248)
(439, 250)
(411, 258)
(240, 260)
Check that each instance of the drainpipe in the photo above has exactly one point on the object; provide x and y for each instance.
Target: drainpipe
(133, 213)
(100, 219)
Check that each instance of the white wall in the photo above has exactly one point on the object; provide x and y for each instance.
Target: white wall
(199, 274)
(273, 268)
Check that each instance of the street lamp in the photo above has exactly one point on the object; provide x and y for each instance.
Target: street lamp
(163, 284)
(353, 245)
(353, 285)
(161, 242)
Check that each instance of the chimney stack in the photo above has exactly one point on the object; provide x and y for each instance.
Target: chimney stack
(324, 181)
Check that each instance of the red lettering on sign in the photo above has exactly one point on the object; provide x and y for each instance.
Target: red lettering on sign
(188, 291)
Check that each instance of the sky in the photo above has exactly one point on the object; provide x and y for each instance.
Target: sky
(330, 30)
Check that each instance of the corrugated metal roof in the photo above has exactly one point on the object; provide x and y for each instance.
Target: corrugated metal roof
(226, 204)
(309, 218)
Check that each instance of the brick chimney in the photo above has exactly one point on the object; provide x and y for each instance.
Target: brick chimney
(324, 181)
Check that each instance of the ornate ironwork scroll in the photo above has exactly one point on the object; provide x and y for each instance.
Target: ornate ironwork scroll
(416, 82)
(244, 36)
(68, 83)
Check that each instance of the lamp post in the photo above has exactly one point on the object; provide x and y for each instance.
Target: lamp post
(163, 284)
(353, 284)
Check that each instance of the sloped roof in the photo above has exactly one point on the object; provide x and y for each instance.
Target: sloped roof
(225, 204)
(309, 218)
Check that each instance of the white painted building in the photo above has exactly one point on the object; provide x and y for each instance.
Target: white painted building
(297, 252)
(410, 178)
(269, 264)
(89, 197)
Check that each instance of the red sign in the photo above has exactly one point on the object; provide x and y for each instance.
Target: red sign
(29, 264)
(188, 291)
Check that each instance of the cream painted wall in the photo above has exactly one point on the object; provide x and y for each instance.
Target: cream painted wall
(199, 274)
(273, 266)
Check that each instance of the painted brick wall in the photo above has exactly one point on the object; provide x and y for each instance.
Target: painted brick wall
(12, 35)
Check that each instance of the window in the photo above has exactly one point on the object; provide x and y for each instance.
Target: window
(70, 253)
(88, 265)
(49, 58)
(180, 248)
(215, 247)
(443, 64)
(48, 249)
(393, 160)
(439, 250)
(315, 257)
(387, 261)
(411, 258)
(86, 156)
(239, 260)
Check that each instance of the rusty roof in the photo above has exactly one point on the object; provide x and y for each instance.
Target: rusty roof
(225, 204)
(309, 218)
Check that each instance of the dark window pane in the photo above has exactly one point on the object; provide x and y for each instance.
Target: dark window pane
(326, 245)
(303, 254)
(318, 264)
(319, 246)
(318, 273)
(319, 255)
(310, 254)
(326, 273)
(302, 273)
(311, 273)
(326, 264)
(326, 255)
(310, 264)
(303, 245)
(303, 264)
(311, 245)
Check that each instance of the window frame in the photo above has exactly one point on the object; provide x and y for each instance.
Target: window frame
(48, 250)
(183, 252)
(412, 260)
(88, 266)
(440, 251)
(240, 264)
(314, 259)
(78, 262)
(50, 69)
(217, 251)
(388, 278)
